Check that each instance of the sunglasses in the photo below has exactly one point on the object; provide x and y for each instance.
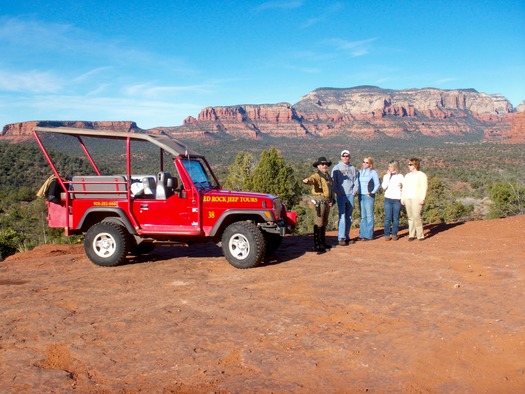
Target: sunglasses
(365, 162)
(345, 156)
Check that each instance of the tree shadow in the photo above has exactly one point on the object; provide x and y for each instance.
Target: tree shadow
(434, 229)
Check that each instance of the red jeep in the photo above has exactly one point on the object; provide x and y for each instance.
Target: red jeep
(132, 213)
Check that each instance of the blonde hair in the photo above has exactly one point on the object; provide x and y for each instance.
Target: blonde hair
(394, 164)
(370, 162)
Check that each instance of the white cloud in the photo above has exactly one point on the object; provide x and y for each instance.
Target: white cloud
(98, 90)
(91, 73)
(354, 48)
(29, 82)
(22, 32)
(147, 113)
(66, 46)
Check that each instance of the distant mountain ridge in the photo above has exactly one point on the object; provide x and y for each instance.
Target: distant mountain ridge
(364, 112)
(25, 128)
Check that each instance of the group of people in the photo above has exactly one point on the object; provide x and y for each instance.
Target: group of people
(344, 183)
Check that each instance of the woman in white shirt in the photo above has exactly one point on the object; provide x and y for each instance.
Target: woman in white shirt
(392, 185)
(413, 197)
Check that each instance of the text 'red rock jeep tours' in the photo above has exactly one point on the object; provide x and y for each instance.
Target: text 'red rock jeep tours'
(131, 214)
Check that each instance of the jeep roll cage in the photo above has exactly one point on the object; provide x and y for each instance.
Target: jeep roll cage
(164, 142)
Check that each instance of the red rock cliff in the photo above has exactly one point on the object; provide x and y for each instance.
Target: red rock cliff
(26, 128)
(364, 111)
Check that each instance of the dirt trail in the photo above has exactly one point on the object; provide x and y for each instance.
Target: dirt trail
(443, 315)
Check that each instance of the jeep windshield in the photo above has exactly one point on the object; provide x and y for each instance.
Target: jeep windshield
(196, 168)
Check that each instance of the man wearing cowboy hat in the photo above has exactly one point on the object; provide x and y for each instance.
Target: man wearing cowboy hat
(322, 200)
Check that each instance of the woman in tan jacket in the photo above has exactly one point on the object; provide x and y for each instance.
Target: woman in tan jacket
(413, 197)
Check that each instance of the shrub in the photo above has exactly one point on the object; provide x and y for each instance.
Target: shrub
(508, 199)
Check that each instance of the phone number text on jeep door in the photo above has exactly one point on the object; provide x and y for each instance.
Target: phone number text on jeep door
(105, 204)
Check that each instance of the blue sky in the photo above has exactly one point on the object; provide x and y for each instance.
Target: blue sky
(156, 62)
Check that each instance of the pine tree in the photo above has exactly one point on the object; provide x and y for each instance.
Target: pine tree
(273, 175)
(240, 172)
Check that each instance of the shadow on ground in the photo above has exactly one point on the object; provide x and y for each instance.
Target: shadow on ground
(292, 247)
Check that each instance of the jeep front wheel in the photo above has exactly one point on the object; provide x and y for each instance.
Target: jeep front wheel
(106, 244)
(243, 245)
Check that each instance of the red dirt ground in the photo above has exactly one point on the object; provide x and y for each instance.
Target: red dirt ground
(443, 315)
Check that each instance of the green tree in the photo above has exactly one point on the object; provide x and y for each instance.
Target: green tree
(240, 172)
(273, 175)
(441, 205)
(508, 199)
(9, 241)
(438, 195)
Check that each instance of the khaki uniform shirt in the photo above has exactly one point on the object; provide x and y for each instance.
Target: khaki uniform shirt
(322, 185)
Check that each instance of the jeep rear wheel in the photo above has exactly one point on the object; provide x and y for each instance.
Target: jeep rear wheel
(243, 245)
(106, 244)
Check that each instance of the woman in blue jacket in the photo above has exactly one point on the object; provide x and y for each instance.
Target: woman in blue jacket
(368, 179)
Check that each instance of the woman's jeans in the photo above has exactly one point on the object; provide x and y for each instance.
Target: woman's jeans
(366, 206)
(392, 210)
(345, 204)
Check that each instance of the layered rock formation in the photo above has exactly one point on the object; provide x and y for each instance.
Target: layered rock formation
(25, 128)
(364, 112)
(516, 133)
(247, 120)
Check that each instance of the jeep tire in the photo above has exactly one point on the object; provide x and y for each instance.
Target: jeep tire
(243, 245)
(106, 244)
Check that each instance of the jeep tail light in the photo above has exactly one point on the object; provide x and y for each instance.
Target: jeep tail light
(277, 207)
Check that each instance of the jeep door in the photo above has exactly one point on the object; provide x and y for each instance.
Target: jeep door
(178, 214)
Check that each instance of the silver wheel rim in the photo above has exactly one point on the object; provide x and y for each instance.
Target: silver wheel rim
(104, 245)
(239, 246)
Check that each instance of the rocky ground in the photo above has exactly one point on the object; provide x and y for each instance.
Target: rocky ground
(443, 315)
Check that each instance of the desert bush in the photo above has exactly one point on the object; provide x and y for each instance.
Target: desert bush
(508, 199)
(9, 241)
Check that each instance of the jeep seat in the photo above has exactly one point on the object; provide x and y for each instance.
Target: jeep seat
(164, 185)
(148, 183)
